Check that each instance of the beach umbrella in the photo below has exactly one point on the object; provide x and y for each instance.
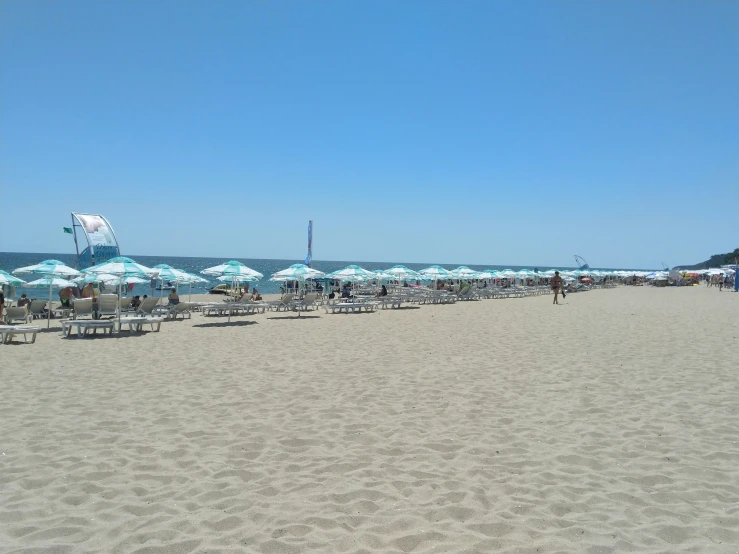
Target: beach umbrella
(231, 268)
(463, 272)
(8, 279)
(237, 280)
(51, 282)
(121, 265)
(297, 272)
(124, 268)
(352, 272)
(436, 272)
(50, 268)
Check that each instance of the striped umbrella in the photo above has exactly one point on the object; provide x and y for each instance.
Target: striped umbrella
(436, 272)
(231, 268)
(297, 272)
(50, 268)
(124, 268)
(7, 279)
(352, 273)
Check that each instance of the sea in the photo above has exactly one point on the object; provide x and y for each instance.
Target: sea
(13, 260)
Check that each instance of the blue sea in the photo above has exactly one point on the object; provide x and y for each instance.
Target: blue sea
(12, 260)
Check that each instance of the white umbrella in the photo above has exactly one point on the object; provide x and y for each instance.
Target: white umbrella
(7, 279)
(124, 268)
(51, 282)
(233, 270)
(53, 268)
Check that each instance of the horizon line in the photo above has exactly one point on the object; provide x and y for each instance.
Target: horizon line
(341, 261)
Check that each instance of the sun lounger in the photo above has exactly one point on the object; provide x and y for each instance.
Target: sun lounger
(386, 302)
(7, 332)
(284, 303)
(36, 309)
(126, 304)
(135, 324)
(347, 307)
(180, 309)
(107, 305)
(147, 306)
(308, 302)
(82, 307)
(85, 327)
(12, 315)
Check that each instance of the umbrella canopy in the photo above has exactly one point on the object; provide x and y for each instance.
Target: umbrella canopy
(436, 272)
(50, 282)
(231, 268)
(238, 279)
(401, 272)
(463, 272)
(297, 271)
(7, 279)
(488, 274)
(352, 272)
(121, 265)
(110, 279)
(49, 267)
(168, 273)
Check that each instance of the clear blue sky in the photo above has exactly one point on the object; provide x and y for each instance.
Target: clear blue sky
(434, 131)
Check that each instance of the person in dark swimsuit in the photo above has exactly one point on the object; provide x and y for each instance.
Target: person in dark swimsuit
(556, 286)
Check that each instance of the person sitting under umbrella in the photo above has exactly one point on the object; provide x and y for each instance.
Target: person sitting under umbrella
(65, 296)
(173, 297)
(255, 296)
(23, 300)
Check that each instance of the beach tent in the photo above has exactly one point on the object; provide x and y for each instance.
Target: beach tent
(49, 268)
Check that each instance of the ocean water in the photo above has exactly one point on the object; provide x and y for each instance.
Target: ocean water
(12, 260)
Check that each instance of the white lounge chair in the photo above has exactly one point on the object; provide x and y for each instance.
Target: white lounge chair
(107, 305)
(180, 309)
(147, 306)
(36, 309)
(82, 307)
(7, 332)
(17, 314)
(126, 304)
(308, 302)
(284, 303)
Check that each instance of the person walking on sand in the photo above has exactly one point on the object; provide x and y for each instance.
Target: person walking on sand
(556, 286)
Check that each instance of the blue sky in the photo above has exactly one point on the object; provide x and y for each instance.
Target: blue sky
(450, 132)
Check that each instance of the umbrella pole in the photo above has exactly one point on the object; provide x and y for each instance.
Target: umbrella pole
(48, 316)
(119, 306)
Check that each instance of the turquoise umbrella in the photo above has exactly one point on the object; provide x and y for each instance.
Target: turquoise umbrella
(7, 279)
(124, 268)
(50, 268)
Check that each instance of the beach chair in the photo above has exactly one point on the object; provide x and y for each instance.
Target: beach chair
(126, 304)
(36, 309)
(82, 307)
(147, 306)
(17, 314)
(7, 332)
(107, 305)
(284, 303)
(181, 309)
(306, 303)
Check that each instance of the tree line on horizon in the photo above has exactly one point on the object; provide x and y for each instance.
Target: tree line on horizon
(717, 260)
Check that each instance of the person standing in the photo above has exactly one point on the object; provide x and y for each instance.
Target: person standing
(556, 286)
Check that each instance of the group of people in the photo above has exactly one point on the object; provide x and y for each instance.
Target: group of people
(720, 281)
(255, 296)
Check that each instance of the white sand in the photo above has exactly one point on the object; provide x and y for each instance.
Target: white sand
(608, 424)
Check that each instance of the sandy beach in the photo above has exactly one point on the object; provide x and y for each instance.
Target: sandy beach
(606, 424)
